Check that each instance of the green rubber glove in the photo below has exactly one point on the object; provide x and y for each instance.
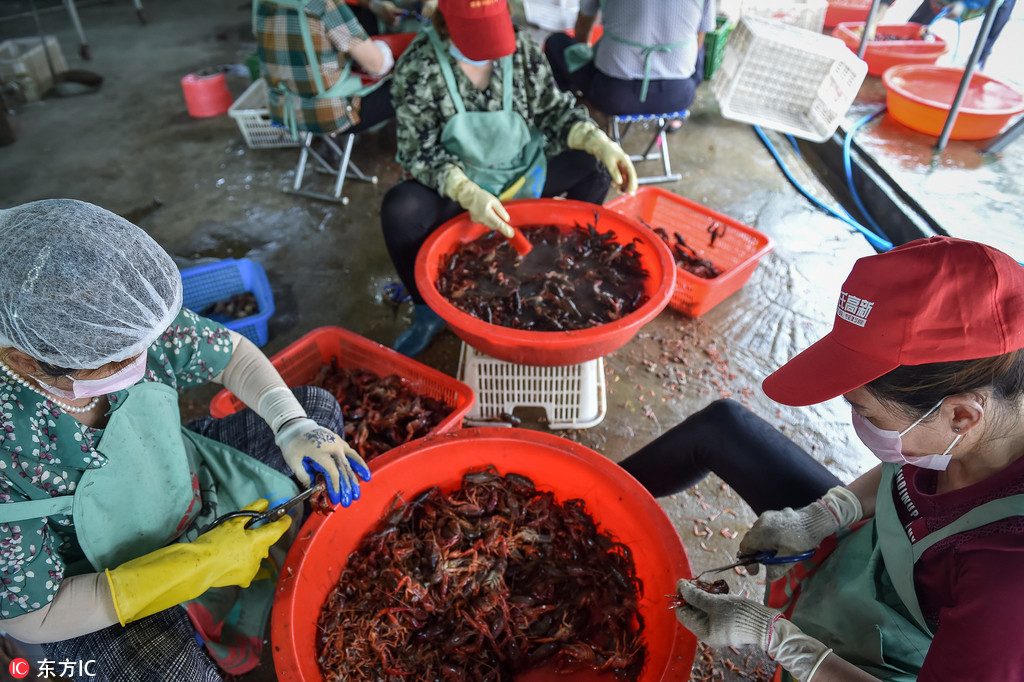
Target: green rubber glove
(587, 136)
(226, 555)
(483, 207)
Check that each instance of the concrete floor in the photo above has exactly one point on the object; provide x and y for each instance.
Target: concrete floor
(203, 195)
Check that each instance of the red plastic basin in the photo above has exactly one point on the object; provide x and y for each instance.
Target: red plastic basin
(548, 349)
(617, 502)
(901, 48)
(839, 11)
(920, 97)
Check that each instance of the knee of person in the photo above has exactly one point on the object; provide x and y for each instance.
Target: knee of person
(724, 411)
(320, 405)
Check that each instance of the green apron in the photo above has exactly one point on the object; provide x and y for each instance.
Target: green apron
(579, 55)
(348, 85)
(861, 601)
(147, 495)
(500, 152)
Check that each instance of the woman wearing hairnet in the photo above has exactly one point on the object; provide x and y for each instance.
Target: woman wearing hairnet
(104, 495)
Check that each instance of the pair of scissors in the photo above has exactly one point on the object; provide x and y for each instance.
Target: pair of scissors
(270, 515)
(415, 15)
(763, 557)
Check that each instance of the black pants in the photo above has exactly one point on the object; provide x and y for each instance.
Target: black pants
(614, 96)
(925, 13)
(412, 211)
(766, 468)
(375, 108)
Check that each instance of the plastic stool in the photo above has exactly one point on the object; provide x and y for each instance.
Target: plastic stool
(573, 396)
(660, 138)
(344, 169)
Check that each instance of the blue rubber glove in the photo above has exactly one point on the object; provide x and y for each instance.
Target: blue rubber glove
(309, 448)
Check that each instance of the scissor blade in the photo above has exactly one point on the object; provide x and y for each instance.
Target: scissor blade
(280, 510)
(723, 568)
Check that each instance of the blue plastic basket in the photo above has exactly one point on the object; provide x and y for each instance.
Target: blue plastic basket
(206, 284)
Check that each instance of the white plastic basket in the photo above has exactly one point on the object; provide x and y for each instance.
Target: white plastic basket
(573, 396)
(787, 78)
(552, 15)
(251, 112)
(808, 14)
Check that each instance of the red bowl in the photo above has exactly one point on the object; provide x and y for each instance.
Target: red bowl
(839, 11)
(616, 501)
(920, 97)
(883, 54)
(548, 349)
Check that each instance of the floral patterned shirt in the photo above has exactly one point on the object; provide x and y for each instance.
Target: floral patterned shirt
(44, 448)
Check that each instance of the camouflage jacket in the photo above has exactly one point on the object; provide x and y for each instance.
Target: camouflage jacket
(423, 105)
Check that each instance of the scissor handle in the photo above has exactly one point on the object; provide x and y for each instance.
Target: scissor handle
(768, 556)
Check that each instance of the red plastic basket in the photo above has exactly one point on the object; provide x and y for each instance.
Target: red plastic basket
(737, 252)
(839, 11)
(548, 349)
(902, 47)
(617, 502)
(300, 362)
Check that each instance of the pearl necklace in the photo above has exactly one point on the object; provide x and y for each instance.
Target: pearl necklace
(62, 405)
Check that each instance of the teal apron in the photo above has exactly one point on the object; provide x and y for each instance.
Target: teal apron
(348, 85)
(861, 601)
(579, 55)
(146, 496)
(500, 152)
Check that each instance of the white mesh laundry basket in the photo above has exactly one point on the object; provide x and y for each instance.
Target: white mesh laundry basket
(786, 78)
(573, 396)
(251, 112)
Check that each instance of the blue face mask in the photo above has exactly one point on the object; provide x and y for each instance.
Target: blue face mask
(455, 52)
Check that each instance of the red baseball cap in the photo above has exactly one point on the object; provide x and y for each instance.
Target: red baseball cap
(481, 29)
(931, 300)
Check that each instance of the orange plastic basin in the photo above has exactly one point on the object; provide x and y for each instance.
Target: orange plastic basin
(839, 11)
(920, 97)
(616, 501)
(901, 48)
(548, 349)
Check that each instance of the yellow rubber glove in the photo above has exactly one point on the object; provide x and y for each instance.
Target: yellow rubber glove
(483, 207)
(587, 136)
(226, 555)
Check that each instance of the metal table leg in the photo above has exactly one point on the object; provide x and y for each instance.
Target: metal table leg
(965, 81)
(83, 49)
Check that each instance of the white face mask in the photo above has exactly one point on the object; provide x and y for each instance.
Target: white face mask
(129, 375)
(888, 445)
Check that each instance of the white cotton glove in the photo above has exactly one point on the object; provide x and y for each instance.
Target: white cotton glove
(483, 207)
(309, 448)
(587, 136)
(385, 11)
(721, 620)
(387, 58)
(790, 531)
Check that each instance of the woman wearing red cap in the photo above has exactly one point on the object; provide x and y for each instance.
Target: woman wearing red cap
(480, 122)
(916, 565)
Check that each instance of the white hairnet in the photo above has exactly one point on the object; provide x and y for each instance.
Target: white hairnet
(81, 286)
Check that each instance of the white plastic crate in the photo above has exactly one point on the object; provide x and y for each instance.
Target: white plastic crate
(552, 15)
(808, 14)
(573, 396)
(786, 78)
(251, 112)
(24, 57)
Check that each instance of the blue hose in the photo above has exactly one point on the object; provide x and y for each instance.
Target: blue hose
(876, 241)
(847, 166)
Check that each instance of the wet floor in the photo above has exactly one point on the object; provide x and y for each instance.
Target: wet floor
(203, 195)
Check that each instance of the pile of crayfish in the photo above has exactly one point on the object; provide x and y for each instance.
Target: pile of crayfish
(570, 280)
(483, 583)
(380, 413)
(687, 258)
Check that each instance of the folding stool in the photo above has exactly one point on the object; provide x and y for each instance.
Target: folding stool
(345, 167)
(660, 138)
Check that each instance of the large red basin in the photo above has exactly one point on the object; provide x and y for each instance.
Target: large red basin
(900, 47)
(548, 349)
(616, 501)
(920, 97)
